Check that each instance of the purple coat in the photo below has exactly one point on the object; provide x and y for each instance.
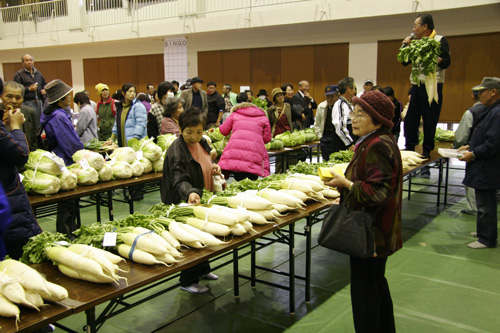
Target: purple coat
(246, 150)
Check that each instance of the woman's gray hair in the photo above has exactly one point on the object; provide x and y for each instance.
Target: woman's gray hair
(170, 106)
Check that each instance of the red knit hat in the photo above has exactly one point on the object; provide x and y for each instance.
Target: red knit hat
(377, 105)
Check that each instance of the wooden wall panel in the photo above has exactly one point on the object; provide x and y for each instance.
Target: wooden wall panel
(297, 65)
(50, 69)
(116, 71)
(265, 69)
(210, 68)
(236, 68)
(330, 65)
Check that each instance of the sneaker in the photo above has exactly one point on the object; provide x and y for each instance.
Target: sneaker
(477, 245)
(426, 173)
(473, 234)
(196, 288)
(210, 276)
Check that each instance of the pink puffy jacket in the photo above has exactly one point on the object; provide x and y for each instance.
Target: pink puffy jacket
(246, 150)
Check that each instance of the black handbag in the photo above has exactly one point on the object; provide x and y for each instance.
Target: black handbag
(348, 231)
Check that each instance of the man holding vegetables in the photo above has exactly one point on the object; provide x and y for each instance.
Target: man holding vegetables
(425, 102)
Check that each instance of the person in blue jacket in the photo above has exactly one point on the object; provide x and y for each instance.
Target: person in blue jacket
(64, 142)
(14, 151)
(5, 220)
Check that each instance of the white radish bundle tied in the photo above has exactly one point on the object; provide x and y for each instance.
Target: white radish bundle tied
(21, 284)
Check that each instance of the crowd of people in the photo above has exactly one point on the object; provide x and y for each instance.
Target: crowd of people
(36, 114)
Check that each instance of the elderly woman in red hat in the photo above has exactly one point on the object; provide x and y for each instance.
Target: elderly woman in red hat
(374, 179)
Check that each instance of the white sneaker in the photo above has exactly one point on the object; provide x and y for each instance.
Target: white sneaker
(477, 245)
(210, 276)
(473, 234)
(196, 288)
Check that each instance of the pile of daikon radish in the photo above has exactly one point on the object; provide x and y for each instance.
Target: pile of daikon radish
(411, 159)
(23, 285)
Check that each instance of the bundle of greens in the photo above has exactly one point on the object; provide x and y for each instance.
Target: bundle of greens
(39, 182)
(34, 250)
(309, 134)
(444, 135)
(274, 144)
(94, 144)
(47, 162)
(343, 156)
(215, 135)
(150, 150)
(423, 54)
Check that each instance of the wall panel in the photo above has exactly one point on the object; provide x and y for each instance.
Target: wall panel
(236, 68)
(330, 65)
(210, 68)
(265, 69)
(297, 65)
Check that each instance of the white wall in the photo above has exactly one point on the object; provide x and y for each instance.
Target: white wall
(367, 23)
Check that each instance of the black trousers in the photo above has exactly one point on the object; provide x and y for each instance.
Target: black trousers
(371, 300)
(239, 175)
(487, 218)
(192, 275)
(419, 108)
(66, 217)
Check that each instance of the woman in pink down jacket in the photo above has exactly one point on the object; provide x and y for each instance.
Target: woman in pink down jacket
(245, 155)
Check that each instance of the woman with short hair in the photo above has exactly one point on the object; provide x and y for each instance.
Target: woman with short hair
(86, 127)
(170, 123)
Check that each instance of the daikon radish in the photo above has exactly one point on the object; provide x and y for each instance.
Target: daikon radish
(267, 214)
(143, 243)
(166, 258)
(281, 198)
(238, 230)
(84, 275)
(317, 179)
(8, 309)
(91, 253)
(257, 218)
(63, 256)
(249, 202)
(152, 235)
(182, 235)
(195, 245)
(139, 256)
(13, 291)
(34, 298)
(298, 194)
(241, 213)
(318, 195)
(213, 228)
(247, 225)
(28, 277)
(296, 184)
(215, 215)
(330, 193)
(281, 208)
(56, 292)
(208, 239)
(170, 239)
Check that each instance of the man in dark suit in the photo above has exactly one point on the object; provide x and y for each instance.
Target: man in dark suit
(195, 96)
(302, 107)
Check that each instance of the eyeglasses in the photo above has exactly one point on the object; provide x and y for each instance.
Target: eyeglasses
(358, 115)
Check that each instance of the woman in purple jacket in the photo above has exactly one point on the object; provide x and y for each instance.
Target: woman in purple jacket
(245, 155)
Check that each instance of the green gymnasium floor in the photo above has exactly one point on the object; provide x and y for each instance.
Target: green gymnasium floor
(437, 283)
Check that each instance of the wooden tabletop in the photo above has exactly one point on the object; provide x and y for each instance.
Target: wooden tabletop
(37, 200)
(285, 150)
(84, 295)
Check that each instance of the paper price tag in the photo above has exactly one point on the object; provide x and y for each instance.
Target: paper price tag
(287, 148)
(139, 155)
(109, 239)
(21, 177)
(85, 164)
(112, 162)
(62, 243)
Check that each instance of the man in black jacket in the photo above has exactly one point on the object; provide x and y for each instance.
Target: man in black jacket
(34, 84)
(302, 107)
(216, 105)
(483, 158)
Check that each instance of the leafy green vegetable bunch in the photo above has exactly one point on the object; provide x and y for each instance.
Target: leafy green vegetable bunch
(423, 54)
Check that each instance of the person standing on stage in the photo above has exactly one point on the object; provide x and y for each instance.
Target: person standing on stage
(419, 102)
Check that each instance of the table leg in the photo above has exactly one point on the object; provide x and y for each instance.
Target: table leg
(440, 181)
(98, 206)
(130, 202)
(310, 154)
(91, 326)
(110, 205)
(291, 254)
(308, 257)
(446, 181)
(252, 264)
(235, 274)
(409, 186)
(78, 216)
